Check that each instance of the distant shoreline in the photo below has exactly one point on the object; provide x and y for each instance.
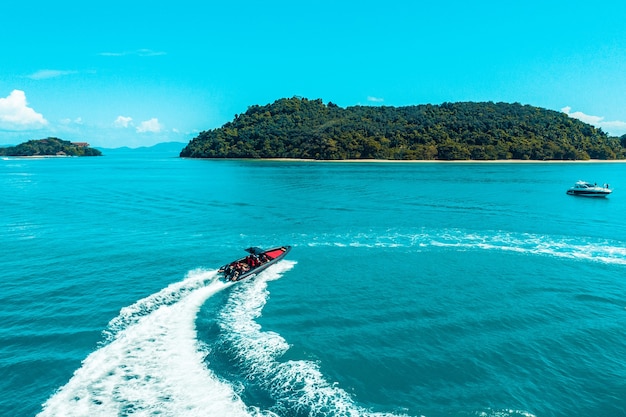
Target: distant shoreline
(428, 161)
(38, 156)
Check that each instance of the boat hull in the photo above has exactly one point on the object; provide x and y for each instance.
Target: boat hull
(582, 193)
(253, 264)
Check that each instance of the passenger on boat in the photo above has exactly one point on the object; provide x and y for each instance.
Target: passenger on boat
(235, 269)
(229, 269)
(253, 261)
(233, 276)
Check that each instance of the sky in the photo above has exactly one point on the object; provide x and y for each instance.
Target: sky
(137, 73)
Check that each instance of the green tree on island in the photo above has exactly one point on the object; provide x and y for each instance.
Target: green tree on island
(301, 128)
(50, 147)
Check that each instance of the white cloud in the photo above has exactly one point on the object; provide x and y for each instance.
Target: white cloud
(16, 115)
(150, 52)
(123, 121)
(48, 73)
(68, 121)
(139, 52)
(151, 125)
(375, 99)
(112, 53)
(614, 127)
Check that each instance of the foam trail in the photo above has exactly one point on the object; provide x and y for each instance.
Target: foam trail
(152, 363)
(298, 387)
(195, 280)
(575, 248)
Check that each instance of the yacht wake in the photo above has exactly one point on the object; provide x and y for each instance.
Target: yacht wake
(575, 248)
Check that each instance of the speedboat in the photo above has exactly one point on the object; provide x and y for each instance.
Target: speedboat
(252, 264)
(587, 189)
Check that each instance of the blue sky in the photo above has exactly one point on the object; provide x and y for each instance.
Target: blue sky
(135, 73)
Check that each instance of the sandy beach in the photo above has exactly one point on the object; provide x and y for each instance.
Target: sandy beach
(436, 161)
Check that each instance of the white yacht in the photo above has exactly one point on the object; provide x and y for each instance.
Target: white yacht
(587, 189)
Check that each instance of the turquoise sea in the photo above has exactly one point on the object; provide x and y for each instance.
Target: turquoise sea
(412, 289)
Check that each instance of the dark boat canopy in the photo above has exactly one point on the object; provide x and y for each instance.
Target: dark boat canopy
(255, 250)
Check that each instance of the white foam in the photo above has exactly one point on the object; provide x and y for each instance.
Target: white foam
(297, 386)
(171, 294)
(152, 363)
(578, 248)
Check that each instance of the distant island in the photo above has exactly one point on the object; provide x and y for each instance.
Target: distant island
(50, 147)
(308, 129)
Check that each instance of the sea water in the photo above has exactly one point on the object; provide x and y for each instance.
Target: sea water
(412, 289)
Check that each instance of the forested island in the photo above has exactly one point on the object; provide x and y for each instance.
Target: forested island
(50, 147)
(309, 129)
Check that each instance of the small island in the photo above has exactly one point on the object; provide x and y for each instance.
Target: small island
(298, 128)
(50, 147)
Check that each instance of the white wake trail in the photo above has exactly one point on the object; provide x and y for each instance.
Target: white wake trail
(152, 363)
(298, 386)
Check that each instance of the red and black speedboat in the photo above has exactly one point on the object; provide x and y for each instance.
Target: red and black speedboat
(257, 260)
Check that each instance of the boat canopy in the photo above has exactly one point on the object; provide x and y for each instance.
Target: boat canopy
(255, 250)
(584, 184)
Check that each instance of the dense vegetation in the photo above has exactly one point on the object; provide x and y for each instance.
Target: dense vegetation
(48, 147)
(301, 128)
